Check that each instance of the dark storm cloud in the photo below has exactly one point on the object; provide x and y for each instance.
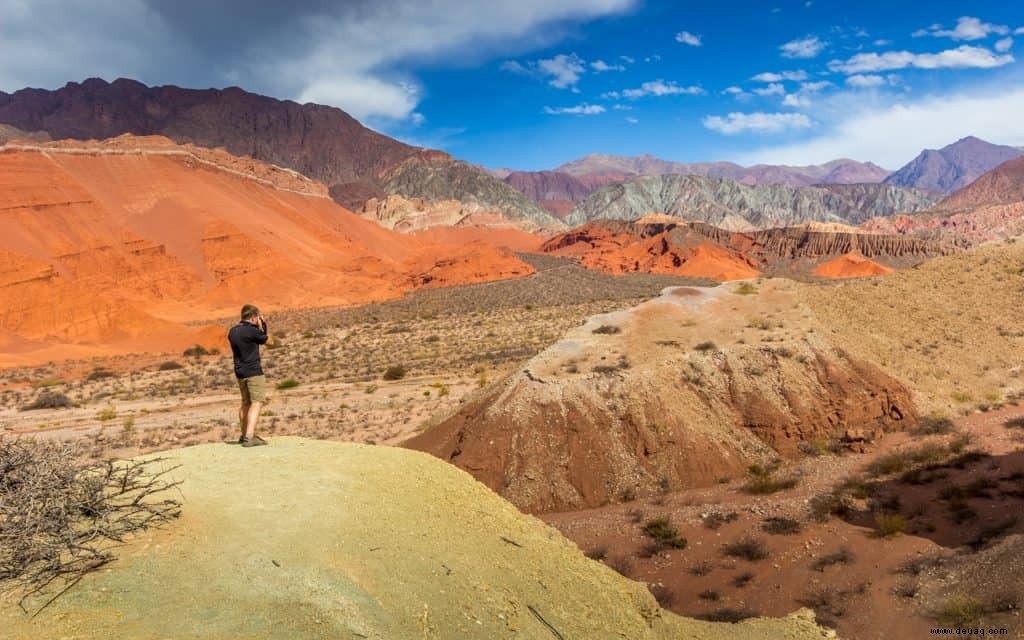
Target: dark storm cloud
(361, 56)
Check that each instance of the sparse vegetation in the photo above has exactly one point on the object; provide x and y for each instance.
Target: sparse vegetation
(959, 611)
(716, 519)
(170, 365)
(745, 289)
(394, 372)
(663, 533)
(762, 481)
(607, 329)
(705, 346)
(841, 556)
(287, 383)
(59, 517)
(781, 526)
(49, 400)
(750, 549)
(888, 525)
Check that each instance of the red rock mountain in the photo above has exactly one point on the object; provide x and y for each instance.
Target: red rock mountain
(324, 143)
(107, 247)
(661, 244)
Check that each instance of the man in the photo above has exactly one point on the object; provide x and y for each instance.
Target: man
(246, 338)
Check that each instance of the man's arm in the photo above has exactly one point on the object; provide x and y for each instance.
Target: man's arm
(261, 336)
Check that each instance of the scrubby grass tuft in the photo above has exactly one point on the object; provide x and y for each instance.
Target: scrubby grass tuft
(750, 549)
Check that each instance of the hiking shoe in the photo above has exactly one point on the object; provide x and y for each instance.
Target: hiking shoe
(254, 441)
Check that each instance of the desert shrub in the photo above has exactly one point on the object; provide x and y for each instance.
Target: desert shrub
(287, 383)
(170, 365)
(1015, 423)
(607, 329)
(745, 289)
(49, 400)
(394, 372)
(709, 595)
(199, 350)
(762, 481)
(725, 614)
(704, 346)
(105, 414)
(825, 505)
(934, 425)
(662, 531)
(741, 580)
(599, 552)
(780, 526)
(888, 525)
(59, 516)
(716, 519)
(842, 556)
(621, 565)
(100, 373)
(750, 549)
(900, 461)
(959, 611)
(665, 596)
(701, 569)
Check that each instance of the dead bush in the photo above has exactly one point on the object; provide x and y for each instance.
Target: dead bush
(60, 517)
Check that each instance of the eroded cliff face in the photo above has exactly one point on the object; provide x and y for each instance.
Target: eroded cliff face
(679, 392)
(436, 176)
(110, 245)
(660, 244)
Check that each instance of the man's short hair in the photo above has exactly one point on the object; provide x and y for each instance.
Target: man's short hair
(249, 312)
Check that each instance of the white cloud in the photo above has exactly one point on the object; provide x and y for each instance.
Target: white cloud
(658, 88)
(1004, 45)
(967, 28)
(564, 70)
(814, 87)
(578, 110)
(627, 59)
(733, 90)
(807, 47)
(860, 81)
(1019, 31)
(631, 120)
(892, 134)
(773, 89)
(757, 122)
(600, 66)
(770, 76)
(796, 100)
(882, 42)
(622, 107)
(692, 39)
(963, 57)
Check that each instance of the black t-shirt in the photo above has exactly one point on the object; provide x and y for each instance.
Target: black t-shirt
(245, 339)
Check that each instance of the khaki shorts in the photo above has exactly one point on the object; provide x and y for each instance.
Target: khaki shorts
(253, 389)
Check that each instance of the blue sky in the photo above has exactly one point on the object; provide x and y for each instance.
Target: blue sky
(531, 84)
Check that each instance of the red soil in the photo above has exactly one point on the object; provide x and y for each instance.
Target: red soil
(851, 265)
(601, 246)
(110, 246)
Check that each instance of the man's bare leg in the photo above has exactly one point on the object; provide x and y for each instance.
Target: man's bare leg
(243, 418)
(253, 419)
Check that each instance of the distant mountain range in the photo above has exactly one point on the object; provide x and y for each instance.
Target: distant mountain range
(841, 171)
(321, 142)
(731, 205)
(954, 166)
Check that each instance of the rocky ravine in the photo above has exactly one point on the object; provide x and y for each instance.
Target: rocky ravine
(678, 392)
(734, 206)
